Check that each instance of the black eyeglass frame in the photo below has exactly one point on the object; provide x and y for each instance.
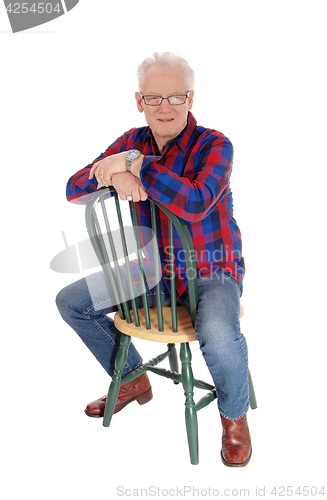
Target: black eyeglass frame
(162, 98)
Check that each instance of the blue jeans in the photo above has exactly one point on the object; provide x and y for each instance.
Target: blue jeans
(84, 305)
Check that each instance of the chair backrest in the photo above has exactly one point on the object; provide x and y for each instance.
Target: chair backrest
(112, 246)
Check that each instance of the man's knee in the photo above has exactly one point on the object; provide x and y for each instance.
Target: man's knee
(67, 304)
(217, 324)
(62, 303)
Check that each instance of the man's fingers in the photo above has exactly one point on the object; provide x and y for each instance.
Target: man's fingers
(143, 193)
(136, 195)
(122, 195)
(126, 185)
(93, 169)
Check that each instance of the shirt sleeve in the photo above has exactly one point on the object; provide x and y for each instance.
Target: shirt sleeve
(202, 185)
(79, 187)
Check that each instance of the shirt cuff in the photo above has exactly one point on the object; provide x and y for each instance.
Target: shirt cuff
(150, 160)
(148, 175)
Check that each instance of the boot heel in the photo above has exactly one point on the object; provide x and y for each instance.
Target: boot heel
(146, 397)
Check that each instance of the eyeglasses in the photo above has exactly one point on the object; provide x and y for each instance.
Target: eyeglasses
(156, 100)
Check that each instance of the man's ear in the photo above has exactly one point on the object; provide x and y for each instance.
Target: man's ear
(190, 99)
(139, 102)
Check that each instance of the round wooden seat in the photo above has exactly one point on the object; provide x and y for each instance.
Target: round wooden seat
(185, 328)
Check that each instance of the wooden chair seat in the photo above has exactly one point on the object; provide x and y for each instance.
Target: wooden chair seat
(185, 328)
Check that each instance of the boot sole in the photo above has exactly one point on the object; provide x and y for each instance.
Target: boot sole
(229, 464)
(142, 400)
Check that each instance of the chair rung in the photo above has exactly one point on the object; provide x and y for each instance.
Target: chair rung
(206, 400)
(146, 366)
(199, 384)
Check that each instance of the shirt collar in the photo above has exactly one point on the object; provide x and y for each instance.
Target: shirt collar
(183, 138)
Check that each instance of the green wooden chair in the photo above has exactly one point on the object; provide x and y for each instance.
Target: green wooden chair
(170, 325)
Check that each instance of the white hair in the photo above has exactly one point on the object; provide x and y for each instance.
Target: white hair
(166, 60)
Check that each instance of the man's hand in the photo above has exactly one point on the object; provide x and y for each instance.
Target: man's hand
(103, 170)
(127, 184)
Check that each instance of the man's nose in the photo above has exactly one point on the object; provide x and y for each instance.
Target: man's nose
(165, 106)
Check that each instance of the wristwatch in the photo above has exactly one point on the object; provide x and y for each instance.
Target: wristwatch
(132, 154)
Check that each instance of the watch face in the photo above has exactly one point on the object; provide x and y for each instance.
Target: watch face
(133, 153)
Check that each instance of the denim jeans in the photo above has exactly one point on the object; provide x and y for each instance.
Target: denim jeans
(84, 305)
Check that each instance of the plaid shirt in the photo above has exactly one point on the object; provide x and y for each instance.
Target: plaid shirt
(191, 179)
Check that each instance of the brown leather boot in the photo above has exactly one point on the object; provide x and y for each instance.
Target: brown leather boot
(236, 442)
(139, 389)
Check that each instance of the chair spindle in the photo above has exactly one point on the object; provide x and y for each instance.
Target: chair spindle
(157, 266)
(141, 267)
(172, 278)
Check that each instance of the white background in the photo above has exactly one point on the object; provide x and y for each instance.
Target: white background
(67, 91)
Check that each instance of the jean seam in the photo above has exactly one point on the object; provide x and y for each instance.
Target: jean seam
(237, 418)
(93, 306)
(104, 331)
(245, 352)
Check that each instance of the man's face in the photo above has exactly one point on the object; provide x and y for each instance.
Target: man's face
(166, 121)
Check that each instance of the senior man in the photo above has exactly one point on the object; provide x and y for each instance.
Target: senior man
(187, 168)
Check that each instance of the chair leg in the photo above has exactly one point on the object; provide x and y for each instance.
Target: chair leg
(190, 411)
(173, 360)
(114, 387)
(253, 401)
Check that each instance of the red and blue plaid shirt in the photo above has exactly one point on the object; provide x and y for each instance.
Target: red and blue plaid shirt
(191, 178)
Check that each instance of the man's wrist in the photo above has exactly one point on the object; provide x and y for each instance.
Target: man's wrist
(137, 165)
